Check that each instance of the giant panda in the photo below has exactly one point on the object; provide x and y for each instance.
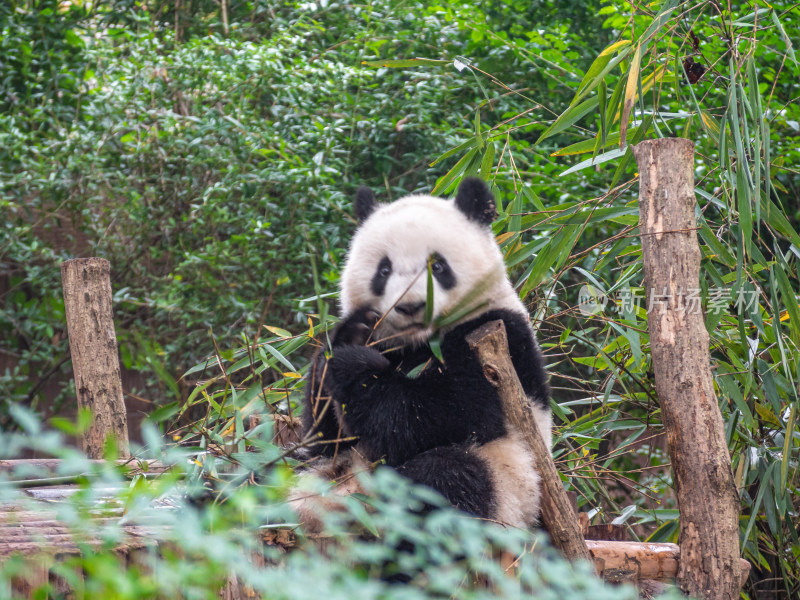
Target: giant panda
(377, 391)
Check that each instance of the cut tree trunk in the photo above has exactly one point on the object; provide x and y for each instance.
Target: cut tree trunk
(490, 344)
(635, 561)
(707, 497)
(93, 347)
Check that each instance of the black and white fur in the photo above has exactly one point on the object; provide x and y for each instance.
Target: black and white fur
(443, 428)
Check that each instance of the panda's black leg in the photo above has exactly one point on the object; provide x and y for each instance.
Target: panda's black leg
(458, 474)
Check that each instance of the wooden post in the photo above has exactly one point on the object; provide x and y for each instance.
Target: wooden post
(490, 344)
(93, 346)
(707, 498)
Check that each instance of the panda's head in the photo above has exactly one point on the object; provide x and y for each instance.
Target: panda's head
(387, 265)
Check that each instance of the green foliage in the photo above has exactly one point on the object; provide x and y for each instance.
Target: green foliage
(200, 543)
(212, 161)
(742, 115)
(727, 81)
(210, 169)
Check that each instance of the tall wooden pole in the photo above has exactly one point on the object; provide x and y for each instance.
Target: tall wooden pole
(93, 346)
(707, 497)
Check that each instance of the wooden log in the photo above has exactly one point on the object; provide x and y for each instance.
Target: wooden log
(35, 575)
(93, 347)
(707, 499)
(54, 493)
(635, 561)
(490, 344)
(27, 468)
(65, 543)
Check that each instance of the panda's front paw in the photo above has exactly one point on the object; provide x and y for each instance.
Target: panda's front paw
(350, 363)
(356, 329)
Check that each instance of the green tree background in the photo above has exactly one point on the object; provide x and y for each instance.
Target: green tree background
(209, 149)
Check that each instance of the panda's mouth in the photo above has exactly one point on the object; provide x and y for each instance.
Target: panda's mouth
(395, 330)
(405, 326)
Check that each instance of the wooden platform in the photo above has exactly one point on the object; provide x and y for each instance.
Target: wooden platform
(42, 540)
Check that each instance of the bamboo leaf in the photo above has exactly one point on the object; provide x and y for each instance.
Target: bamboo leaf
(278, 331)
(470, 143)
(514, 211)
(591, 162)
(612, 111)
(778, 221)
(524, 252)
(602, 92)
(405, 63)
(568, 117)
(659, 21)
(436, 348)
(487, 162)
(601, 66)
(162, 413)
(718, 248)
(789, 47)
(280, 357)
(530, 196)
(744, 206)
(613, 139)
(553, 255)
(458, 169)
(789, 299)
(630, 95)
(787, 441)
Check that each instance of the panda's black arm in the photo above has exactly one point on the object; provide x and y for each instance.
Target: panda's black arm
(396, 417)
(522, 345)
(319, 414)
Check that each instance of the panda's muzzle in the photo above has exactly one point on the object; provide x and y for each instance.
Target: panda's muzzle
(410, 309)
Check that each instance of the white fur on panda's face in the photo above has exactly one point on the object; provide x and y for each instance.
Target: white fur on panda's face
(386, 268)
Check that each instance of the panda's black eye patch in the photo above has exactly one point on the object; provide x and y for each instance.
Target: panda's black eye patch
(378, 284)
(441, 270)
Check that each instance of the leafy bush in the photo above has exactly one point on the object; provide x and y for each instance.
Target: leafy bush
(213, 172)
(199, 545)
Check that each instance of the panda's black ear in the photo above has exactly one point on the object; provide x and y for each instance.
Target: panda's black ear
(365, 203)
(476, 201)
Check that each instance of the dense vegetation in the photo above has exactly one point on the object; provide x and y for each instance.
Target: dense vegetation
(210, 149)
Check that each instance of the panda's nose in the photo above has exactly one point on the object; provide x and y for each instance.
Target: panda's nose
(409, 309)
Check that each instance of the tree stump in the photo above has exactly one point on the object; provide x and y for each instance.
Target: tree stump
(679, 342)
(490, 344)
(93, 347)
